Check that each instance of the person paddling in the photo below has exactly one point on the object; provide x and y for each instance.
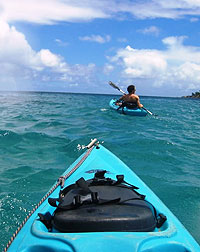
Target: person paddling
(130, 98)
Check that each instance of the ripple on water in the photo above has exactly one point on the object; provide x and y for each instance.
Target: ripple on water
(39, 134)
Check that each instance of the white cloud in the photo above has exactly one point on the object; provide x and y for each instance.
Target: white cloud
(192, 20)
(49, 11)
(13, 45)
(150, 30)
(177, 53)
(79, 71)
(53, 11)
(140, 63)
(178, 65)
(61, 43)
(188, 71)
(96, 38)
(108, 68)
(16, 51)
(163, 9)
(18, 61)
(55, 62)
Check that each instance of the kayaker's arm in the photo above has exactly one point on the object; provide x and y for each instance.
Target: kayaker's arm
(120, 99)
(138, 102)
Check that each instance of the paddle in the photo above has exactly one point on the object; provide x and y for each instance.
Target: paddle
(116, 87)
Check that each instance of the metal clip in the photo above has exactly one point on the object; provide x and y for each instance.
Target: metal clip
(93, 142)
(61, 181)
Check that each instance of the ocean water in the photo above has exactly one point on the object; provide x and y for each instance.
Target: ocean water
(40, 132)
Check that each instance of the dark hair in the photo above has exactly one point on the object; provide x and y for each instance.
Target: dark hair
(131, 88)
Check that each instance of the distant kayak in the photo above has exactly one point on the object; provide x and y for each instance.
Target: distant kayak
(127, 111)
(100, 204)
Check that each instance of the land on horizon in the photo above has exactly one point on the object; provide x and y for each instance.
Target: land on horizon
(193, 95)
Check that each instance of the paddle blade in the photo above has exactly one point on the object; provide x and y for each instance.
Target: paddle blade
(115, 86)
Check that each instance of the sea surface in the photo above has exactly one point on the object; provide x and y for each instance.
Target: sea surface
(40, 132)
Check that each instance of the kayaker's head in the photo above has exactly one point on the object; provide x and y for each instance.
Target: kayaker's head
(131, 89)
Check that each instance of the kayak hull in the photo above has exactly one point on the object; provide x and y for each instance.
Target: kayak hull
(172, 236)
(126, 111)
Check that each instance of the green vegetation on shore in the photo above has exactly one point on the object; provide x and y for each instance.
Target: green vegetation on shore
(194, 95)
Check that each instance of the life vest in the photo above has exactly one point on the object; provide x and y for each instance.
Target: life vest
(128, 105)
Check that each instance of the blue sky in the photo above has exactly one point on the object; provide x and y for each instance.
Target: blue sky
(78, 46)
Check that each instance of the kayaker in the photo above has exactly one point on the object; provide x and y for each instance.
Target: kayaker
(131, 97)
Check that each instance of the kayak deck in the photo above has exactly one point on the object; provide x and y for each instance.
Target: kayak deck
(172, 236)
(126, 111)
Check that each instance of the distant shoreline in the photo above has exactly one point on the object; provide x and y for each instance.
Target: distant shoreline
(194, 95)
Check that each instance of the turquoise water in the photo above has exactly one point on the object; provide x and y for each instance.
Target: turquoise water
(39, 134)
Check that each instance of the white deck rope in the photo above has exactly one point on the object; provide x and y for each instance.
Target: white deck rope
(60, 181)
